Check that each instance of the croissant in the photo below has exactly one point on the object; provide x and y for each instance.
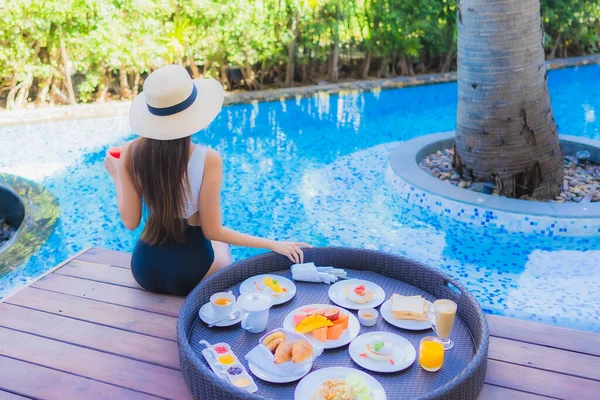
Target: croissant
(301, 350)
(273, 336)
(283, 353)
(273, 344)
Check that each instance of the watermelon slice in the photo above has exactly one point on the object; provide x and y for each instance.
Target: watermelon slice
(298, 318)
(360, 290)
(115, 152)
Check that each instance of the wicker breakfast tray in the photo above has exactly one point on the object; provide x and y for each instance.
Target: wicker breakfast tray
(464, 368)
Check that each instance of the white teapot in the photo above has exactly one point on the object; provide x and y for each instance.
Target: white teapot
(256, 307)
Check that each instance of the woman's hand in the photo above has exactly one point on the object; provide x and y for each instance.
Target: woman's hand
(291, 250)
(111, 164)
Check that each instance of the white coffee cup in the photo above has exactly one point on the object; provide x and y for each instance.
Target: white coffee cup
(222, 305)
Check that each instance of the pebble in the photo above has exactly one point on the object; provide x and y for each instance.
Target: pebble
(581, 182)
(6, 231)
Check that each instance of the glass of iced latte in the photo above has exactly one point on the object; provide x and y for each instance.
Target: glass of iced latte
(442, 320)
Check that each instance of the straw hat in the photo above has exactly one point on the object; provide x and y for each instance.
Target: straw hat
(173, 105)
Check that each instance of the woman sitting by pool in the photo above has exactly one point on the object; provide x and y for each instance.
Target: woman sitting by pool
(183, 240)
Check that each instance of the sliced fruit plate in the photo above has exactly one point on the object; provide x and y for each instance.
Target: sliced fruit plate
(281, 288)
(323, 324)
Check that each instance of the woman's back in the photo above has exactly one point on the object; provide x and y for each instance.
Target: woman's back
(179, 183)
(195, 172)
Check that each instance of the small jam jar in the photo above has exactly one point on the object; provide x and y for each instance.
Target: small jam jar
(368, 316)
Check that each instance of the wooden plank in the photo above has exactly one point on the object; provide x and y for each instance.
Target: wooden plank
(107, 368)
(51, 270)
(99, 272)
(545, 335)
(48, 384)
(104, 256)
(492, 392)
(97, 312)
(541, 382)
(547, 358)
(133, 345)
(128, 297)
(11, 396)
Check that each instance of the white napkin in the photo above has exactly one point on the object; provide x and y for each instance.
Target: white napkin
(308, 272)
(262, 357)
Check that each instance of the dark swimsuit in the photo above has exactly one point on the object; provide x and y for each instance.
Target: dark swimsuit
(174, 268)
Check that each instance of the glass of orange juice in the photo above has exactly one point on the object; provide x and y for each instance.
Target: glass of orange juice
(431, 353)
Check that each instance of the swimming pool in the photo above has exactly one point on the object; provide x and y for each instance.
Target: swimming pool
(314, 170)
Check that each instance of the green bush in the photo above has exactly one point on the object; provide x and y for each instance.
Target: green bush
(65, 51)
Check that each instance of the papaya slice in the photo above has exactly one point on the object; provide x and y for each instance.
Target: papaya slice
(320, 334)
(334, 332)
(342, 320)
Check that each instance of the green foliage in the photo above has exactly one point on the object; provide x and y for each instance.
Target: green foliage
(572, 27)
(109, 46)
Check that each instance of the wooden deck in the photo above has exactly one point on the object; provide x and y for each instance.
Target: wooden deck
(86, 331)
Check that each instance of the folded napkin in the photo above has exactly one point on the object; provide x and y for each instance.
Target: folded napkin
(308, 272)
(262, 357)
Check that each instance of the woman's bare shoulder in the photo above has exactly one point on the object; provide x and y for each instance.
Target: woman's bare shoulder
(213, 158)
(129, 145)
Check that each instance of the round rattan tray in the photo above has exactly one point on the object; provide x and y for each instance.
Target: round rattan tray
(464, 367)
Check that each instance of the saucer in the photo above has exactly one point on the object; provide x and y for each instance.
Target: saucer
(270, 377)
(206, 315)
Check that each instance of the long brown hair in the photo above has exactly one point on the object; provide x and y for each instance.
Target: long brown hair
(159, 170)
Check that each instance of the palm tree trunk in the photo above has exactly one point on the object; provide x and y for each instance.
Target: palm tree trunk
(334, 57)
(136, 83)
(366, 65)
(23, 94)
(505, 128)
(44, 88)
(194, 67)
(123, 83)
(291, 64)
(67, 71)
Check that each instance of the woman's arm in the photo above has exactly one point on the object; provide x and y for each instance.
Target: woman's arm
(210, 215)
(128, 198)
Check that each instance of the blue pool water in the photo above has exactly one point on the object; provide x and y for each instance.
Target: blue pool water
(313, 170)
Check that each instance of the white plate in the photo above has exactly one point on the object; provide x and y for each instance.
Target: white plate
(311, 382)
(206, 315)
(348, 335)
(386, 313)
(249, 286)
(404, 352)
(270, 377)
(337, 295)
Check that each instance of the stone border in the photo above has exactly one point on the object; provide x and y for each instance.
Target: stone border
(412, 183)
(116, 108)
(41, 214)
(17, 201)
